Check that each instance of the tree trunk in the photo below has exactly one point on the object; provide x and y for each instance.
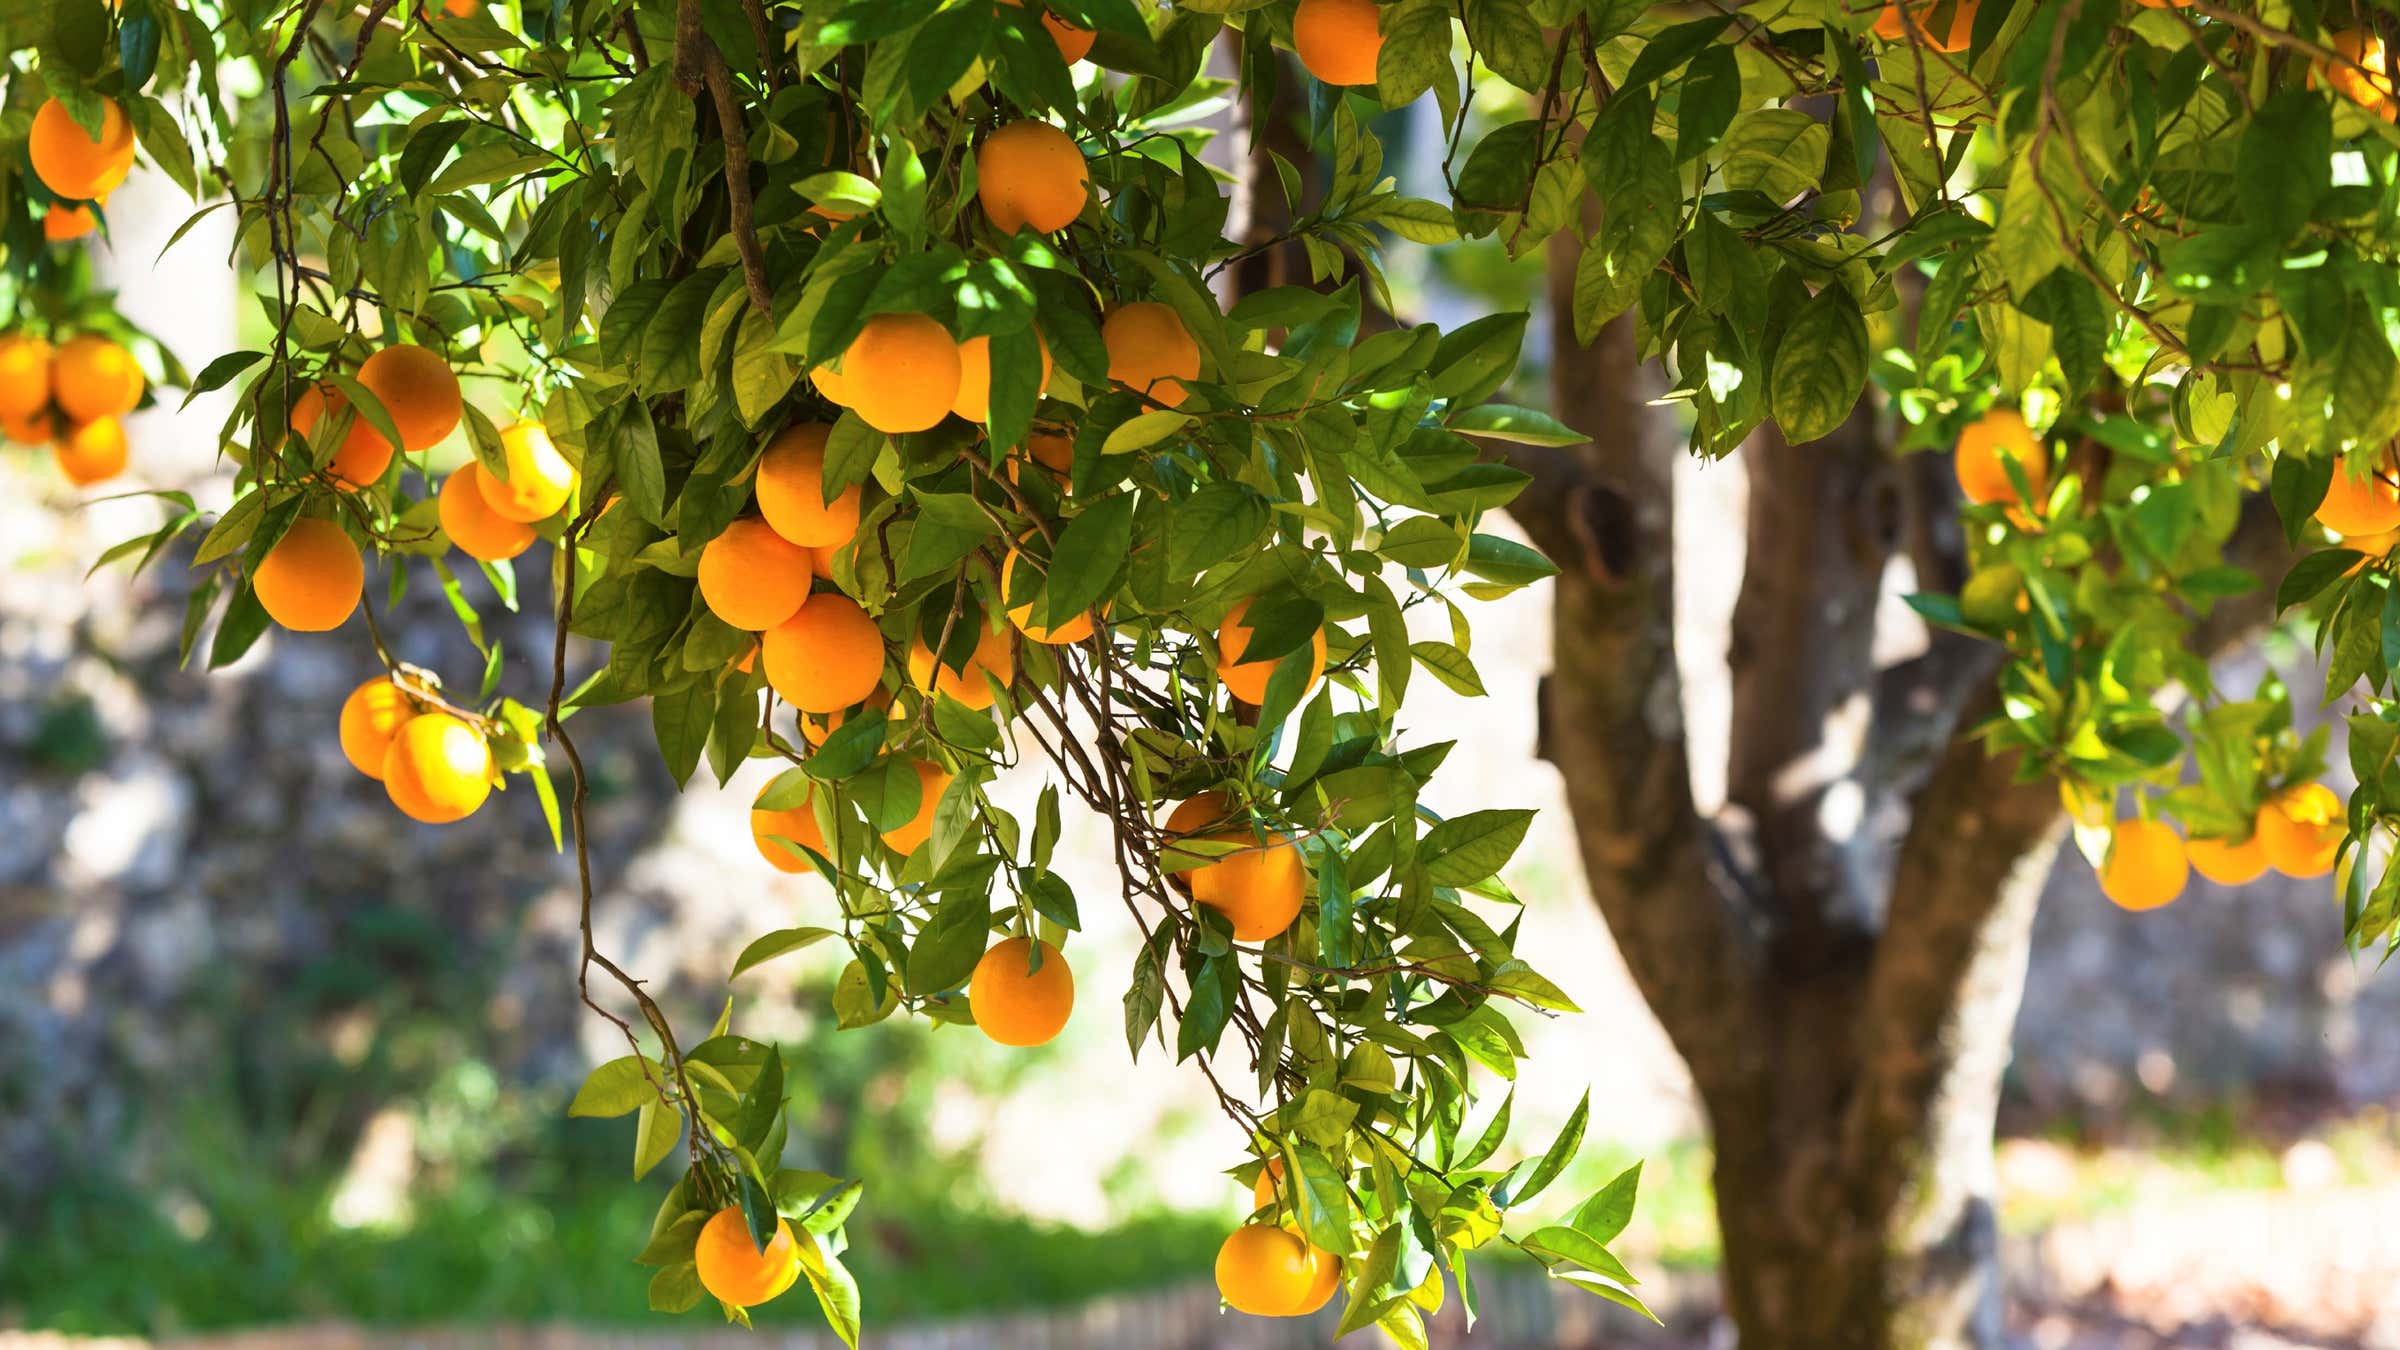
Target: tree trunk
(1838, 953)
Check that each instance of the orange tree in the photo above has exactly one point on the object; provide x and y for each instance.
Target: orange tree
(869, 367)
(860, 366)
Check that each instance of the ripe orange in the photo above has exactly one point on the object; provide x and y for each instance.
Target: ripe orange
(798, 824)
(1247, 681)
(92, 453)
(826, 657)
(72, 164)
(752, 577)
(1073, 630)
(734, 1269)
(1327, 1284)
(1999, 435)
(1258, 887)
(1921, 15)
(829, 382)
(94, 377)
(2146, 867)
(437, 769)
(1338, 40)
(2367, 503)
(1052, 451)
(467, 517)
(932, 781)
(974, 401)
(815, 727)
(460, 9)
(1030, 173)
(1073, 43)
(35, 428)
(63, 224)
(901, 372)
(539, 478)
(363, 454)
(419, 390)
(370, 716)
(791, 490)
(993, 657)
(24, 376)
(2369, 87)
(2302, 829)
(1265, 1271)
(1017, 1007)
(1149, 350)
(1262, 1191)
(311, 579)
(2227, 862)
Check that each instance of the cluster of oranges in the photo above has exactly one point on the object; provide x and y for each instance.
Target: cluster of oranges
(436, 765)
(2297, 832)
(73, 396)
(77, 167)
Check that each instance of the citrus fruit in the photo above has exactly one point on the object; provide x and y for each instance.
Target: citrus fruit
(798, 824)
(829, 383)
(993, 656)
(1327, 1284)
(373, 712)
(93, 452)
(311, 579)
(901, 372)
(539, 478)
(752, 577)
(467, 517)
(1265, 1271)
(1030, 173)
(826, 657)
(2361, 78)
(35, 428)
(437, 768)
(733, 1268)
(1015, 1006)
(2361, 503)
(62, 224)
(791, 490)
(1073, 630)
(2302, 828)
(1149, 350)
(2227, 862)
(363, 454)
(1262, 1191)
(2146, 867)
(1924, 16)
(93, 377)
(24, 376)
(1338, 40)
(974, 400)
(418, 389)
(1247, 680)
(1988, 441)
(69, 161)
(932, 781)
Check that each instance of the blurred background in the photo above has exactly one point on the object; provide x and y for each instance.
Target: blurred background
(279, 1067)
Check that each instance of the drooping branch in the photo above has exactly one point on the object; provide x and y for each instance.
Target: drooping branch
(699, 64)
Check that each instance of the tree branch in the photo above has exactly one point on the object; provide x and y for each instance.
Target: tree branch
(698, 63)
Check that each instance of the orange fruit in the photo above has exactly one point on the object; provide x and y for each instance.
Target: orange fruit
(1073, 630)
(2302, 828)
(2370, 88)
(821, 556)
(437, 768)
(311, 579)
(993, 657)
(467, 517)
(1265, 1271)
(826, 657)
(2146, 866)
(829, 382)
(72, 164)
(1894, 24)
(363, 454)
(1052, 451)
(419, 390)
(61, 224)
(1015, 1006)
(901, 372)
(460, 9)
(539, 478)
(734, 1269)
(1030, 173)
(1338, 40)
(932, 781)
(93, 377)
(24, 376)
(816, 727)
(1262, 1191)
(2226, 862)
(1327, 1284)
(1988, 441)
(35, 428)
(92, 453)
(798, 824)
(752, 577)
(1258, 887)
(974, 401)
(370, 716)
(791, 490)
(2367, 503)
(1247, 681)
(1073, 43)
(1149, 350)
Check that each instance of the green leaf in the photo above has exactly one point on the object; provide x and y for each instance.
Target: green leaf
(1820, 367)
(781, 942)
(1465, 849)
(616, 1088)
(1507, 422)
